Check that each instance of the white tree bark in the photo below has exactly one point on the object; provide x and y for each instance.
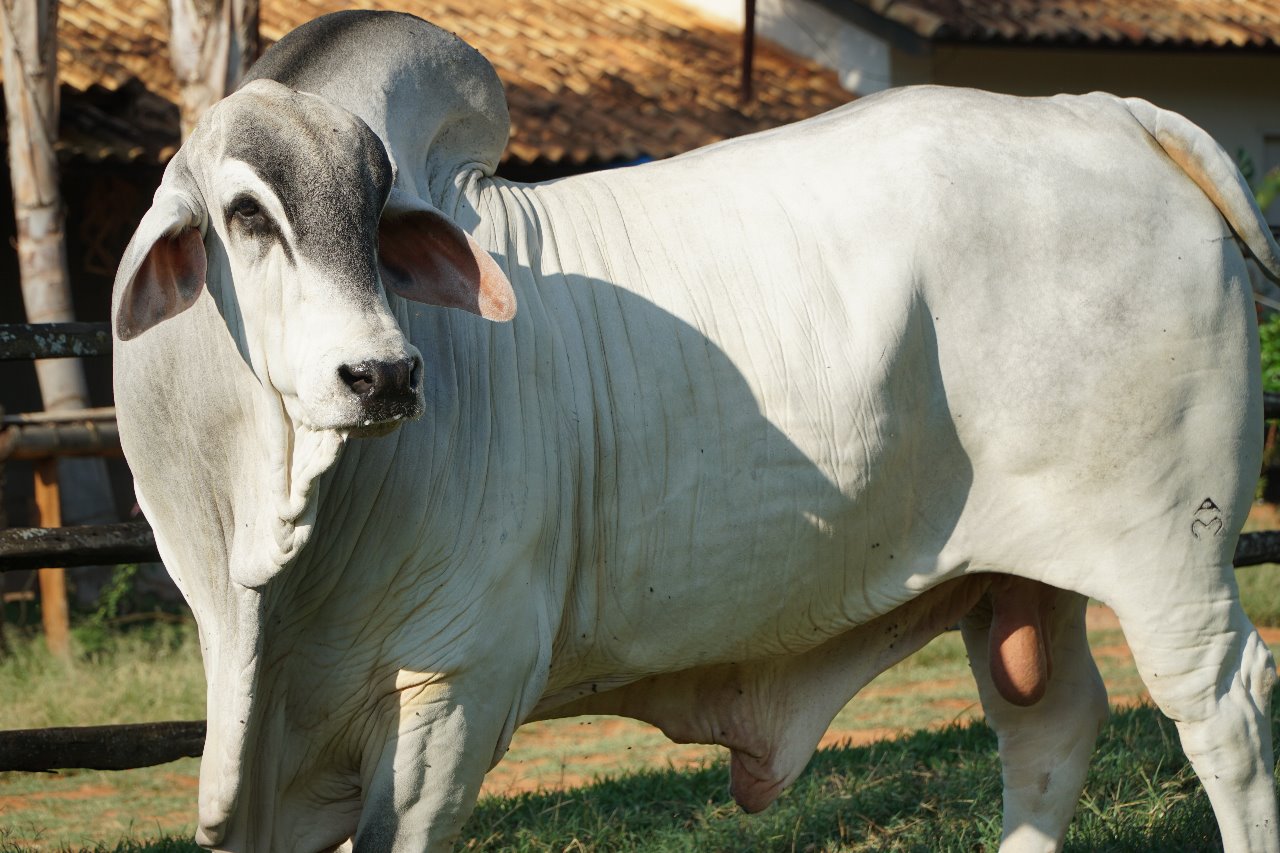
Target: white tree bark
(212, 43)
(29, 29)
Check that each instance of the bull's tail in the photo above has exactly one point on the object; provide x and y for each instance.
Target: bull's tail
(1204, 161)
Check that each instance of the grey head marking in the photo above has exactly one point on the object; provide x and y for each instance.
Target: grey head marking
(327, 168)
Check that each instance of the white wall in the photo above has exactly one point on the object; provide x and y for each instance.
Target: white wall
(861, 60)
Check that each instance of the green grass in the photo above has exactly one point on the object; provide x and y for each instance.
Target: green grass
(936, 790)
(1260, 585)
(127, 677)
(146, 674)
(1260, 593)
(75, 809)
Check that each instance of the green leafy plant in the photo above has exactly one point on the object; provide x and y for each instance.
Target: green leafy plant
(1265, 192)
(1265, 189)
(1268, 189)
(1269, 340)
(94, 633)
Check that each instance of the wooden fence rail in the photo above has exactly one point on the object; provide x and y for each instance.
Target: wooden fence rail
(26, 341)
(23, 548)
(70, 438)
(124, 747)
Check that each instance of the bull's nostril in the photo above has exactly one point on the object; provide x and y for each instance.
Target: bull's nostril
(415, 375)
(381, 380)
(359, 378)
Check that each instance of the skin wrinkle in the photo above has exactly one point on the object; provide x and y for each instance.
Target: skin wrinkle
(728, 213)
(605, 449)
(553, 284)
(822, 357)
(560, 595)
(627, 258)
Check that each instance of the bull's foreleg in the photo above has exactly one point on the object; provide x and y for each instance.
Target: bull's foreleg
(425, 782)
(1045, 745)
(1210, 672)
(421, 779)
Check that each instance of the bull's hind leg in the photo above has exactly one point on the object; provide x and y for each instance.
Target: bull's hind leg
(1209, 671)
(1044, 745)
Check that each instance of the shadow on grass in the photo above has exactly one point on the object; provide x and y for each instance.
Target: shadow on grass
(931, 791)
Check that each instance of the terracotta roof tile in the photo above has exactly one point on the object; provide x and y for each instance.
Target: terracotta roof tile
(587, 80)
(1123, 23)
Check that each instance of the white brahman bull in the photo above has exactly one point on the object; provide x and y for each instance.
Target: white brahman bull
(769, 417)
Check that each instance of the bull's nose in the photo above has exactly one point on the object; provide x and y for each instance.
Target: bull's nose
(381, 381)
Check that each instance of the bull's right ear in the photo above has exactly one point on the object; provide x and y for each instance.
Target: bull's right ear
(424, 257)
(164, 267)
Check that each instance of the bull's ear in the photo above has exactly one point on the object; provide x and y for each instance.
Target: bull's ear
(164, 266)
(426, 258)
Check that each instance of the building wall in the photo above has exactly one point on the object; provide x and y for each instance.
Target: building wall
(863, 61)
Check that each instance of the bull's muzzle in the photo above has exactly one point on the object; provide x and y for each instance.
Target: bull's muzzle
(387, 391)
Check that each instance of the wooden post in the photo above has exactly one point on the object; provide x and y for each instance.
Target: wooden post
(53, 582)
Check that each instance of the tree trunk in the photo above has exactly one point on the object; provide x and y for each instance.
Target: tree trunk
(212, 43)
(31, 102)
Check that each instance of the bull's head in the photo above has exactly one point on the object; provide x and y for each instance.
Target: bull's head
(281, 208)
(288, 197)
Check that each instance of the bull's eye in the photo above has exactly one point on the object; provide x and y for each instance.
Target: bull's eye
(246, 208)
(247, 213)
